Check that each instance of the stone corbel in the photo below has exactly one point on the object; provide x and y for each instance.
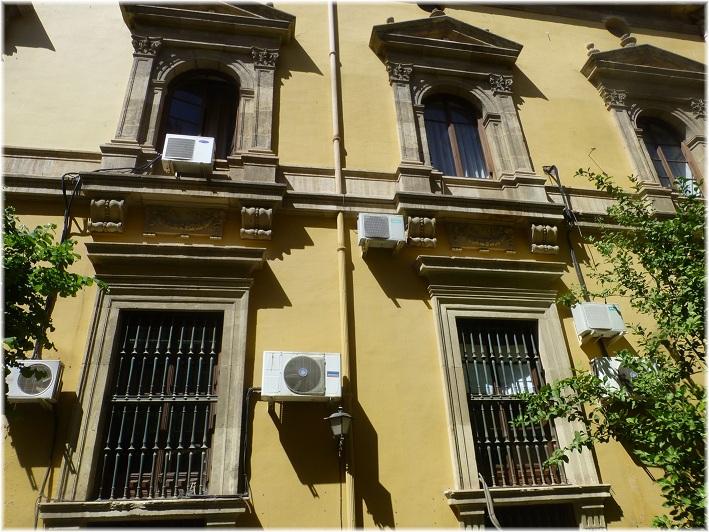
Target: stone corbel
(544, 239)
(591, 516)
(698, 107)
(264, 58)
(256, 223)
(500, 84)
(107, 216)
(613, 98)
(421, 232)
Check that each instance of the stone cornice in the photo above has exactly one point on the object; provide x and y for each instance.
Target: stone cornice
(442, 270)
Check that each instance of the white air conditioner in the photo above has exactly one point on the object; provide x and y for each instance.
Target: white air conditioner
(597, 320)
(188, 154)
(612, 372)
(43, 384)
(292, 376)
(381, 231)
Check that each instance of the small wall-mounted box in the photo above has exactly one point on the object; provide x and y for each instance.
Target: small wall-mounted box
(381, 231)
(41, 384)
(189, 154)
(597, 320)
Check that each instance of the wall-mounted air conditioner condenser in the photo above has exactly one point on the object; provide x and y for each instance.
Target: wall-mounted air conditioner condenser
(612, 372)
(381, 230)
(42, 383)
(295, 376)
(597, 320)
(189, 154)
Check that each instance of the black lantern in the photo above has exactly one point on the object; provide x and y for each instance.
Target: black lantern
(340, 426)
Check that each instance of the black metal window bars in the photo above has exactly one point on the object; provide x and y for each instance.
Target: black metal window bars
(160, 411)
(500, 361)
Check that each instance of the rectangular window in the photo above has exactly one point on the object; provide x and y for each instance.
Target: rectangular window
(500, 361)
(160, 411)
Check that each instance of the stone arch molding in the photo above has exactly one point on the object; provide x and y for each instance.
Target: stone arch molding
(638, 80)
(241, 41)
(440, 54)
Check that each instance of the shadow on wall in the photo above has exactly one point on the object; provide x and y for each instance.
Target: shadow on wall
(33, 428)
(22, 27)
(396, 276)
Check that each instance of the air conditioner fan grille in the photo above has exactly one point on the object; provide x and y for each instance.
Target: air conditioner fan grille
(376, 227)
(304, 375)
(39, 380)
(178, 148)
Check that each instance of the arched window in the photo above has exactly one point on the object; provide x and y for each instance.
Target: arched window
(666, 149)
(203, 103)
(455, 138)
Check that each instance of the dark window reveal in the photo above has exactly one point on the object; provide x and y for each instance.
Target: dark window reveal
(667, 150)
(202, 103)
(455, 137)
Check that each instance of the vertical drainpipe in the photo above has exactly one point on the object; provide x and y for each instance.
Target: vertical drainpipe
(341, 264)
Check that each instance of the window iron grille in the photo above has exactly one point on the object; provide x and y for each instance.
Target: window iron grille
(160, 411)
(500, 361)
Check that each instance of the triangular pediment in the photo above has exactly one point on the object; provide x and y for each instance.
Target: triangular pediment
(443, 36)
(220, 17)
(642, 60)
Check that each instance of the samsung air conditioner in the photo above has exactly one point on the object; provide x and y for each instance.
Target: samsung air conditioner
(41, 382)
(189, 154)
(612, 372)
(381, 231)
(294, 376)
(597, 320)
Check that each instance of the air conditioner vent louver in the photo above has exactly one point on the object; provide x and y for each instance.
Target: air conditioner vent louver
(40, 379)
(179, 148)
(304, 375)
(376, 226)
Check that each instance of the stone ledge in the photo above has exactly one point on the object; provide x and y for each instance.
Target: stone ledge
(216, 509)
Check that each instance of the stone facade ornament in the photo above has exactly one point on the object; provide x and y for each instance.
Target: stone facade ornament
(500, 83)
(613, 97)
(256, 223)
(628, 40)
(421, 232)
(184, 221)
(698, 107)
(591, 49)
(146, 45)
(544, 239)
(485, 237)
(106, 216)
(399, 72)
(264, 58)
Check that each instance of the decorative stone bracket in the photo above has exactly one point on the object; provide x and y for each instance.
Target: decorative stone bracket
(256, 223)
(107, 216)
(544, 239)
(421, 232)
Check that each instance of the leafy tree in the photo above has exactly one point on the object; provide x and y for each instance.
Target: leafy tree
(659, 415)
(35, 269)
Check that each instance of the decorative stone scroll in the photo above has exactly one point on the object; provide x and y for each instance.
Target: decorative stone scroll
(107, 216)
(184, 221)
(264, 58)
(485, 237)
(500, 83)
(146, 45)
(544, 239)
(256, 223)
(698, 107)
(613, 97)
(421, 232)
(399, 72)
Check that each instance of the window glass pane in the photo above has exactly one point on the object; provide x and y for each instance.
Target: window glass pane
(440, 147)
(471, 153)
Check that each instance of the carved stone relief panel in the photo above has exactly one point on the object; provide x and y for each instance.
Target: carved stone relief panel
(256, 223)
(544, 239)
(184, 221)
(421, 232)
(107, 215)
(485, 237)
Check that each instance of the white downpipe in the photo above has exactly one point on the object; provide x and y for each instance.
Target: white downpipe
(349, 510)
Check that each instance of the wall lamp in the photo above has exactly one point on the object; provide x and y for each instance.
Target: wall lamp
(340, 426)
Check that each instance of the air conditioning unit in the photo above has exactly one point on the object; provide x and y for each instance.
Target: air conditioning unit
(381, 231)
(188, 154)
(612, 372)
(43, 384)
(597, 320)
(292, 376)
